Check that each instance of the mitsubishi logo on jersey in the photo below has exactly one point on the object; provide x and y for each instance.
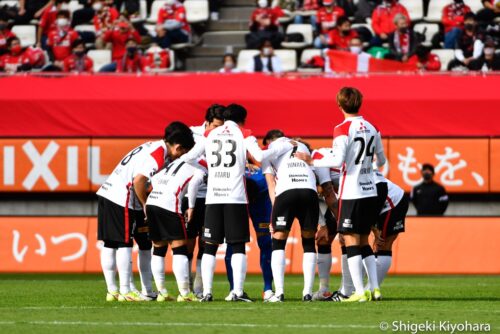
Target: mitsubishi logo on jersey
(362, 127)
(226, 130)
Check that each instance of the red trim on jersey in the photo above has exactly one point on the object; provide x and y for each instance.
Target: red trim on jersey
(340, 196)
(386, 221)
(159, 156)
(335, 170)
(126, 222)
(207, 132)
(342, 129)
(317, 156)
(179, 190)
(203, 163)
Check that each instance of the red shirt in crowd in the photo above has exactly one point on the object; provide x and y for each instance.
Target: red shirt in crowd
(175, 12)
(132, 65)
(9, 63)
(269, 14)
(340, 42)
(453, 16)
(158, 60)
(36, 55)
(383, 18)
(60, 42)
(432, 64)
(105, 19)
(330, 18)
(48, 20)
(119, 40)
(78, 64)
(4, 36)
(310, 5)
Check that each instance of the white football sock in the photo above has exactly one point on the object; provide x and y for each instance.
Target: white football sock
(180, 266)
(383, 264)
(198, 283)
(346, 285)
(278, 268)
(324, 268)
(158, 269)
(207, 272)
(108, 264)
(144, 264)
(371, 270)
(239, 265)
(355, 268)
(308, 268)
(124, 265)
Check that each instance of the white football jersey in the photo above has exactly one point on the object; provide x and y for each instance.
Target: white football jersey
(172, 183)
(146, 160)
(198, 134)
(290, 172)
(325, 174)
(226, 150)
(394, 194)
(355, 142)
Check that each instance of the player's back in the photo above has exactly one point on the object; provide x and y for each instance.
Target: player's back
(394, 192)
(146, 160)
(226, 159)
(361, 140)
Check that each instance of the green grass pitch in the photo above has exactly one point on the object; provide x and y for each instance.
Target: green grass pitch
(75, 304)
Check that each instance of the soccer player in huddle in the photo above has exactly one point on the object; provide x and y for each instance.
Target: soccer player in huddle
(121, 212)
(167, 225)
(226, 215)
(292, 188)
(356, 141)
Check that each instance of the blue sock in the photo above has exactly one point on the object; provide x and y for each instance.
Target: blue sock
(229, 269)
(265, 245)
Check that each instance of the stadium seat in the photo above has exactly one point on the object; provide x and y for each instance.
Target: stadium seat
(305, 30)
(196, 10)
(155, 8)
(85, 28)
(172, 62)
(74, 5)
(428, 30)
(143, 9)
(306, 55)
(288, 59)
(475, 5)
(26, 33)
(100, 58)
(415, 9)
(435, 11)
(445, 56)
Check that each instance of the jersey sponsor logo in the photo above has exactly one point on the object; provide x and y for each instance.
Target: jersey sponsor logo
(280, 221)
(367, 186)
(207, 233)
(347, 223)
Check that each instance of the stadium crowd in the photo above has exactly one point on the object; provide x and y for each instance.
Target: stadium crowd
(376, 28)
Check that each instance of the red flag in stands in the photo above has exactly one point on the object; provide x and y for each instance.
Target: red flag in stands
(341, 61)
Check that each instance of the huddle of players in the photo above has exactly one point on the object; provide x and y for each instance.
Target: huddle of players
(210, 171)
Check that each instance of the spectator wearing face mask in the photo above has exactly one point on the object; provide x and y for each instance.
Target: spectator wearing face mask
(172, 26)
(355, 48)
(469, 45)
(229, 64)
(264, 25)
(16, 59)
(60, 39)
(424, 60)
(453, 22)
(429, 197)
(340, 37)
(78, 61)
(132, 61)
(402, 42)
(383, 20)
(104, 17)
(157, 59)
(489, 60)
(326, 21)
(266, 61)
(5, 33)
(118, 38)
(48, 21)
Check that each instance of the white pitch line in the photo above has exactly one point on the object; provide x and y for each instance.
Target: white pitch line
(179, 324)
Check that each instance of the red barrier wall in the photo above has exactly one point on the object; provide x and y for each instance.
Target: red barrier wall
(134, 106)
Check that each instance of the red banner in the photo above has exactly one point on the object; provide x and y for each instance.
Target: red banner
(341, 61)
(141, 106)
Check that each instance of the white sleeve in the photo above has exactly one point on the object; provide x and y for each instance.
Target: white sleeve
(459, 54)
(193, 187)
(337, 157)
(250, 66)
(267, 167)
(322, 175)
(252, 146)
(148, 167)
(379, 151)
(478, 49)
(192, 156)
